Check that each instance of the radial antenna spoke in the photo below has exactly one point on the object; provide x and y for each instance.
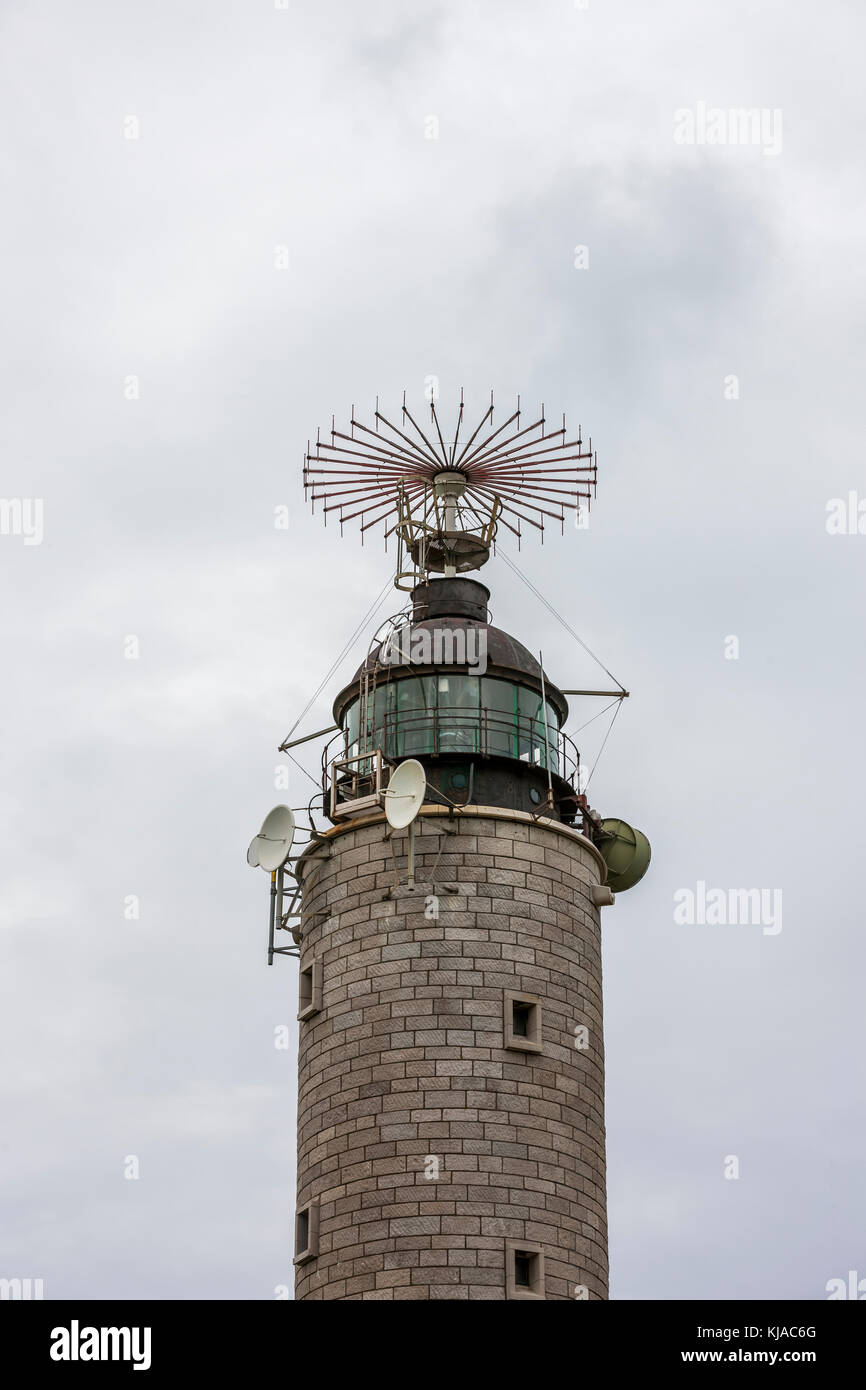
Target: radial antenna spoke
(445, 495)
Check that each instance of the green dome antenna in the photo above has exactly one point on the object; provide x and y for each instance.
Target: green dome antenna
(625, 851)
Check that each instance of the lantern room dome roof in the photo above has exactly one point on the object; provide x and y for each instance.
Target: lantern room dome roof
(506, 658)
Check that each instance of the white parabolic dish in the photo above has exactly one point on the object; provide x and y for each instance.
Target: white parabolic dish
(405, 794)
(271, 846)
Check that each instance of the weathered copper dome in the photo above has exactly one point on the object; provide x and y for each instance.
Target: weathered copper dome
(458, 604)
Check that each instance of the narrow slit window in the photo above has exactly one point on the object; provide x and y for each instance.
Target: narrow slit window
(522, 1022)
(520, 1019)
(310, 990)
(307, 1232)
(524, 1270)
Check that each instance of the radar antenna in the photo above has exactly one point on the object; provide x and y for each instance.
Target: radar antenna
(444, 502)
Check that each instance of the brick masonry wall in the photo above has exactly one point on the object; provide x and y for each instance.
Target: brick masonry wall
(405, 1066)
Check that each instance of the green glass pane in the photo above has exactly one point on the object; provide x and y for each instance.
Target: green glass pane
(458, 692)
(351, 726)
(409, 694)
(528, 702)
(379, 725)
(527, 708)
(414, 698)
(499, 719)
(531, 733)
(498, 695)
(552, 730)
(458, 700)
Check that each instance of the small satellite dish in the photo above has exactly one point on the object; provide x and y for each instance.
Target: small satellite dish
(270, 848)
(405, 794)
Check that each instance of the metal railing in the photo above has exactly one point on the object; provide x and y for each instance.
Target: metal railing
(474, 733)
(354, 783)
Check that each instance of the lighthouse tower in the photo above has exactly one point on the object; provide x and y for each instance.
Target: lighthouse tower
(451, 1137)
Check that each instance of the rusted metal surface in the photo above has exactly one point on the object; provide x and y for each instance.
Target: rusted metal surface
(506, 658)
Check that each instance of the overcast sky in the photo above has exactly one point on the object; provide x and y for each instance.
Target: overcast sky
(162, 376)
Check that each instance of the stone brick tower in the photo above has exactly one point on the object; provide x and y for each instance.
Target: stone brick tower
(451, 1061)
(451, 1139)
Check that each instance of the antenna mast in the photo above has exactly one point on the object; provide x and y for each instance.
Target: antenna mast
(445, 502)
